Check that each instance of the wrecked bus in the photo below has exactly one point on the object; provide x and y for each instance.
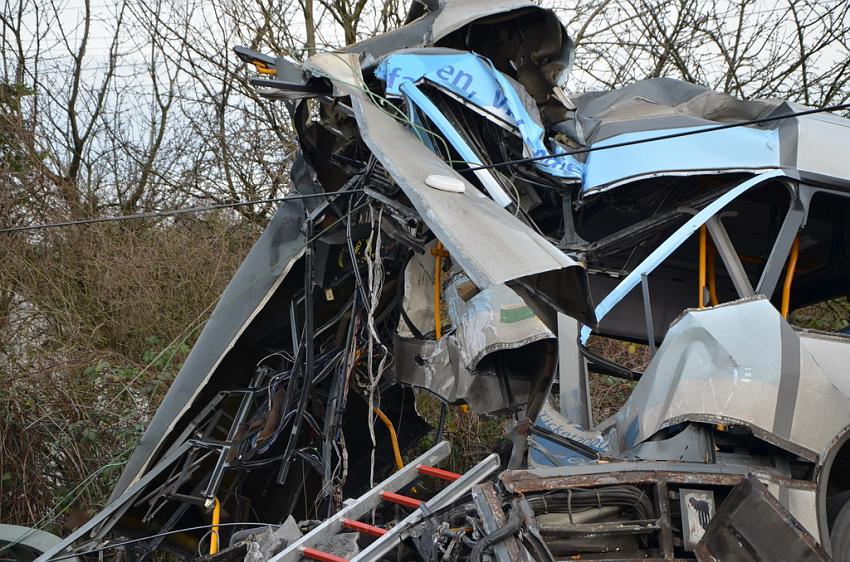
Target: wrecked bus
(460, 225)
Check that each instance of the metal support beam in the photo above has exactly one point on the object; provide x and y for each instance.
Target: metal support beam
(647, 312)
(572, 374)
(730, 257)
(665, 534)
(794, 220)
(492, 518)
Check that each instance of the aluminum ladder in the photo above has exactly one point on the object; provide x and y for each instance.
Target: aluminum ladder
(387, 491)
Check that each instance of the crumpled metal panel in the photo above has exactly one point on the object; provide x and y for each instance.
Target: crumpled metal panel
(476, 81)
(435, 367)
(492, 320)
(738, 363)
(495, 319)
(655, 104)
(576, 445)
(806, 145)
(418, 298)
(428, 29)
(491, 245)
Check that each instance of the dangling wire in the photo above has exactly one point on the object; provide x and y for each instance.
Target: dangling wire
(376, 283)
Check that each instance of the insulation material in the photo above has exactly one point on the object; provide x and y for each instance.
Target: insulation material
(458, 367)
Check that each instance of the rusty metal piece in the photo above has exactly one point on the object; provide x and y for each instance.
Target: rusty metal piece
(662, 509)
(525, 481)
(493, 517)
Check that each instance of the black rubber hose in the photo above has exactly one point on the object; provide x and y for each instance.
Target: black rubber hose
(510, 528)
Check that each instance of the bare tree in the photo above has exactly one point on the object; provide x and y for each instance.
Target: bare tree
(795, 50)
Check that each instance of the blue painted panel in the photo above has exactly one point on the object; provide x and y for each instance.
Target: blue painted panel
(740, 148)
(474, 79)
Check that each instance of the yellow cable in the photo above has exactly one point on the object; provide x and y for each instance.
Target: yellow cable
(789, 277)
(216, 516)
(439, 253)
(702, 244)
(393, 437)
(712, 279)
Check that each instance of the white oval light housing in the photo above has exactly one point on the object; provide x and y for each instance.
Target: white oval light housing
(445, 183)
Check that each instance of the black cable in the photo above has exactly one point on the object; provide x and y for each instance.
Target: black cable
(662, 137)
(441, 425)
(173, 212)
(308, 347)
(353, 255)
(166, 533)
(602, 366)
(468, 169)
(577, 500)
(513, 525)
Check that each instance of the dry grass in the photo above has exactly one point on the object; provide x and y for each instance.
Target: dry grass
(830, 316)
(473, 437)
(608, 394)
(94, 328)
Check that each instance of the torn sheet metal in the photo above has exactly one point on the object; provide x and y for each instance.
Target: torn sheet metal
(430, 24)
(656, 104)
(492, 335)
(264, 268)
(475, 80)
(425, 29)
(491, 245)
(736, 364)
(417, 304)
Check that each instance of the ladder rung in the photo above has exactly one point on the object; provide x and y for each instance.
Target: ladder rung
(314, 554)
(450, 494)
(364, 528)
(401, 500)
(438, 473)
(360, 507)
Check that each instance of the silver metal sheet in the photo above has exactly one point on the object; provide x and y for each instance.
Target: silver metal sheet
(739, 363)
(821, 140)
(458, 13)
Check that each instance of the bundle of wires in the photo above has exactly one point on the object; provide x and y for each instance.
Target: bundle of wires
(581, 499)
